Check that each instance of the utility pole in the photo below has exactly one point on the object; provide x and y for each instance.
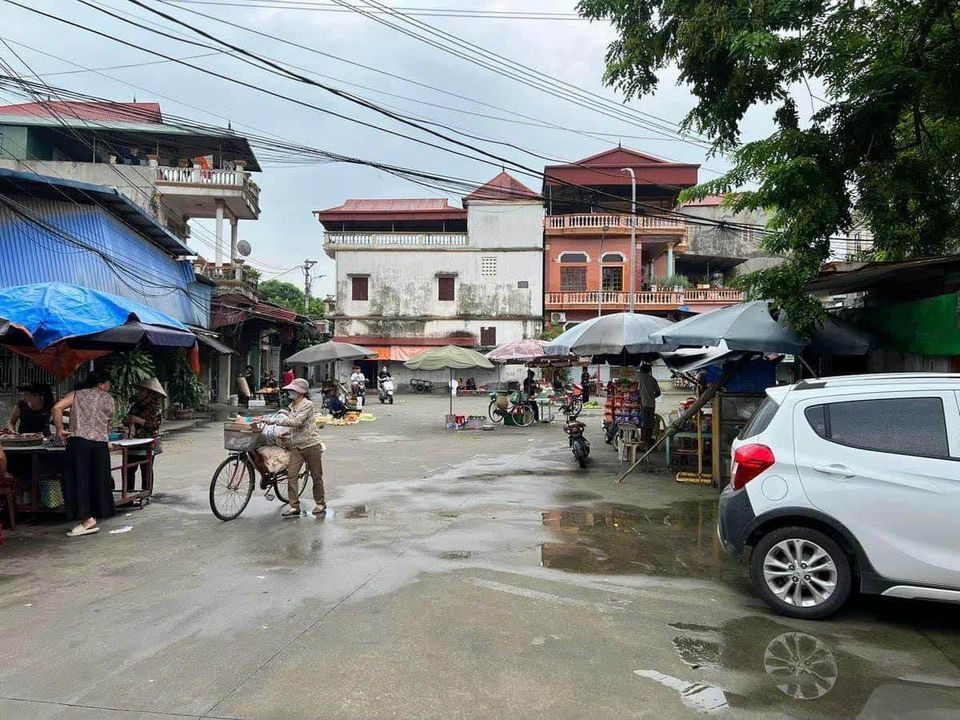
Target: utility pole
(307, 264)
(633, 237)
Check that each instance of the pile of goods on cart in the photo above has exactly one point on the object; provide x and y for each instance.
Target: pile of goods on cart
(623, 404)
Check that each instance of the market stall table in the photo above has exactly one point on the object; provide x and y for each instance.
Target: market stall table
(46, 463)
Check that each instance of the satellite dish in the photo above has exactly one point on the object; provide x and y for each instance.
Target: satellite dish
(244, 248)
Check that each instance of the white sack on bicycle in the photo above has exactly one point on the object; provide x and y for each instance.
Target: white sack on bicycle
(275, 434)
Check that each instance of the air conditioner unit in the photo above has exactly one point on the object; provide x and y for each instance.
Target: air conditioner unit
(558, 317)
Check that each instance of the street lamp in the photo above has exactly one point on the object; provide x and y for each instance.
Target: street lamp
(606, 229)
(633, 236)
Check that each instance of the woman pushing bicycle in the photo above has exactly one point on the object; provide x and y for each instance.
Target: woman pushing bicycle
(305, 446)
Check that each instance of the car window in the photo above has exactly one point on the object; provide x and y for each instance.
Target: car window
(760, 420)
(906, 426)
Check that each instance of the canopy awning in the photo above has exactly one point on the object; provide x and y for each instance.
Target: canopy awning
(214, 344)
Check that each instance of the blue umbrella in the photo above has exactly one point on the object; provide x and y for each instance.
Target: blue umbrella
(52, 312)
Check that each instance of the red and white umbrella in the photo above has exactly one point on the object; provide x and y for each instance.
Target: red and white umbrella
(517, 352)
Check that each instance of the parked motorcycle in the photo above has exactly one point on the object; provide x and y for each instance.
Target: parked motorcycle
(385, 391)
(578, 443)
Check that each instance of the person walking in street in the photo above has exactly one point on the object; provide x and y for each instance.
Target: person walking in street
(305, 446)
(32, 413)
(585, 384)
(531, 389)
(144, 420)
(87, 489)
(649, 392)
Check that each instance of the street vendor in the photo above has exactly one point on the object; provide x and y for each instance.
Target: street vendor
(32, 413)
(144, 420)
(531, 388)
(305, 446)
(649, 392)
(86, 481)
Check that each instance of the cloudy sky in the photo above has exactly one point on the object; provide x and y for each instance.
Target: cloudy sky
(286, 233)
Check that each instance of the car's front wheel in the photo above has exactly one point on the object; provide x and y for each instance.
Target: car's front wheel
(801, 572)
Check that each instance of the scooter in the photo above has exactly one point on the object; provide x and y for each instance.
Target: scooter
(385, 391)
(578, 443)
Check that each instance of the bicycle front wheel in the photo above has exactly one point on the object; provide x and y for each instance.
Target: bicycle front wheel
(231, 487)
(282, 487)
(522, 415)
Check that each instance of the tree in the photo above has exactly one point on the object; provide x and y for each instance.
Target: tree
(289, 296)
(882, 148)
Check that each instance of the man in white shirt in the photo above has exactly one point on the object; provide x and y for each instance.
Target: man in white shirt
(358, 384)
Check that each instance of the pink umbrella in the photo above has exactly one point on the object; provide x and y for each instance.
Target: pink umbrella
(517, 352)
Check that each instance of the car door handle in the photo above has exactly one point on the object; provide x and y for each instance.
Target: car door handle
(839, 471)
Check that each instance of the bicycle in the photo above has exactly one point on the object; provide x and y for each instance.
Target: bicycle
(232, 484)
(572, 401)
(513, 404)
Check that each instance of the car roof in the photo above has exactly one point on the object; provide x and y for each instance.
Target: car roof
(899, 381)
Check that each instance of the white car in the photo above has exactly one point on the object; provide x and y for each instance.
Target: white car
(849, 483)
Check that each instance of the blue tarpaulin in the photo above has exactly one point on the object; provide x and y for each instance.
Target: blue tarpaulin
(51, 312)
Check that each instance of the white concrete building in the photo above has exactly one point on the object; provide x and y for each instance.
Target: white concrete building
(419, 273)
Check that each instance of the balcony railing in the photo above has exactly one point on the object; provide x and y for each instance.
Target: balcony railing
(200, 177)
(592, 221)
(647, 298)
(396, 239)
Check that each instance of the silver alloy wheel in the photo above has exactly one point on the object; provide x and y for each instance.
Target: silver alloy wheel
(803, 667)
(800, 572)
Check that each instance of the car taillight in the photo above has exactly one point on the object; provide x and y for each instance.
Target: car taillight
(748, 462)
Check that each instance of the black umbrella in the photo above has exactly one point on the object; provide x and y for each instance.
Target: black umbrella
(135, 333)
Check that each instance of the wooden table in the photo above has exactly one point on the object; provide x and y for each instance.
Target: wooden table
(42, 457)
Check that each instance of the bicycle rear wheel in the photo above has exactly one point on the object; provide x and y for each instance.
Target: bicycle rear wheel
(281, 486)
(231, 487)
(494, 412)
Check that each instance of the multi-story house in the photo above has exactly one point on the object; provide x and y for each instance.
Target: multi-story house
(172, 173)
(417, 273)
(587, 254)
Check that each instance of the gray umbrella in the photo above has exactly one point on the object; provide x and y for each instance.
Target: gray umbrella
(838, 337)
(328, 352)
(610, 335)
(747, 326)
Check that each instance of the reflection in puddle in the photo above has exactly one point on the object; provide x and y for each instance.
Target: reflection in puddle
(618, 540)
(755, 663)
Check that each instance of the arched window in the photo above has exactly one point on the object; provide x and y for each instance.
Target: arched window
(612, 257)
(573, 257)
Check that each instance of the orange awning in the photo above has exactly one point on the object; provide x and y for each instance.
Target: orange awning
(397, 353)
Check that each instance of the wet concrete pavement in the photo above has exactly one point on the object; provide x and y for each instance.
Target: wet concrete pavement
(476, 574)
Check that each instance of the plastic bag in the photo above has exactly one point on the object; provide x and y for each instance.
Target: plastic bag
(274, 458)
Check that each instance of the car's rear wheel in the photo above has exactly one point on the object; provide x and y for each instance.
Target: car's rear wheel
(801, 572)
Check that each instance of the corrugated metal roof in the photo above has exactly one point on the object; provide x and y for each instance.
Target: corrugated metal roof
(56, 188)
(88, 246)
(92, 110)
(708, 201)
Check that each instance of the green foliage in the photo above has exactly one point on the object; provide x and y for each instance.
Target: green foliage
(671, 281)
(552, 332)
(881, 148)
(290, 297)
(183, 387)
(125, 370)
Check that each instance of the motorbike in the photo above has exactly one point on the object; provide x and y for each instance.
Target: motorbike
(386, 390)
(578, 443)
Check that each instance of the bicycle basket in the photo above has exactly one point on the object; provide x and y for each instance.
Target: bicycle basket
(241, 437)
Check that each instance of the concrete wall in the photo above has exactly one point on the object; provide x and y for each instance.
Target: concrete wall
(505, 225)
(136, 182)
(704, 240)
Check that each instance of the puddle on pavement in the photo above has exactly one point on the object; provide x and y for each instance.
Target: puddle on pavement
(756, 663)
(679, 541)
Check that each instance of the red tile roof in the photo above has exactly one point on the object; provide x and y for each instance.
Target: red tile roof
(504, 187)
(359, 210)
(604, 169)
(133, 112)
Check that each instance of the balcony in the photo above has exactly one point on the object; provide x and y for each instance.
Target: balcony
(194, 192)
(354, 240)
(660, 300)
(596, 224)
(231, 278)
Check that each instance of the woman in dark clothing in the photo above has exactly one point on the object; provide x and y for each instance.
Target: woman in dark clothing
(32, 413)
(144, 420)
(87, 489)
(585, 384)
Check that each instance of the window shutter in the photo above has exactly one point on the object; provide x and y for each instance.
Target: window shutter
(360, 289)
(445, 288)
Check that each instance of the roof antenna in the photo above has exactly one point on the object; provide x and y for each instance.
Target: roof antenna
(134, 97)
(229, 126)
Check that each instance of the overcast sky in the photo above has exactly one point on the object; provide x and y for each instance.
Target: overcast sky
(287, 232)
